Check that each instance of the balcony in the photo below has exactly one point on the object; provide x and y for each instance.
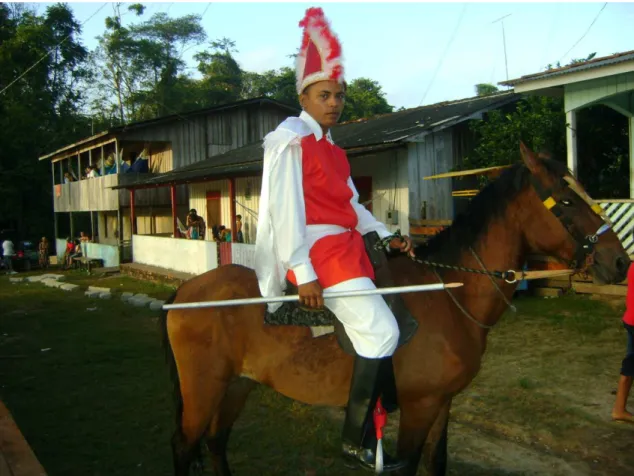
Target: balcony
(96, 194)
(87, 195)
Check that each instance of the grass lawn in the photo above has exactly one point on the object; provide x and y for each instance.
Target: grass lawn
(91, 393)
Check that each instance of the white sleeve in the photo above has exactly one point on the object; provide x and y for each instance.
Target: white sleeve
(366, 221)
(288, 213)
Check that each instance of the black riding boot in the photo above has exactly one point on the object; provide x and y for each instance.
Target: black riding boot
(359, 442)
(389, 396)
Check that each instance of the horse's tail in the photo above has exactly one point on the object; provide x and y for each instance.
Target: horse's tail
(177, 395)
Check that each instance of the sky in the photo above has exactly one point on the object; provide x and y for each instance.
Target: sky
(420, 53)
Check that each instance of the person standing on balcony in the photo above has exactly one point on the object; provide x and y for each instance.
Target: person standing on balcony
(91, 172)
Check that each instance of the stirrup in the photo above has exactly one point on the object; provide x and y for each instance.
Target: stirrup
(365, 458)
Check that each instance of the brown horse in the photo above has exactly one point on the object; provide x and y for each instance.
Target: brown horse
(221, 354)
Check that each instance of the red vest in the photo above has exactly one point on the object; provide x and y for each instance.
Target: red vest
(325, 172)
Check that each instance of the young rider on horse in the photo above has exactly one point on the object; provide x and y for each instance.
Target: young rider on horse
(310, 231)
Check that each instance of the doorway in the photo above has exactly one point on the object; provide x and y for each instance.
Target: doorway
(364, 187)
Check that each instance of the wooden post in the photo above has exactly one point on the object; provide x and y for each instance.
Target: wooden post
(132, 213)
(103, 163)
(232, 207)
(72, 226)
(174, 222)
(631, 124)
(571, 141)
(92, 227)
(116, 154)
(55, 227)
(120, 233)
(78, 166)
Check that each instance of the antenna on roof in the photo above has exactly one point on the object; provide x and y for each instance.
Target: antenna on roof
(501, 20)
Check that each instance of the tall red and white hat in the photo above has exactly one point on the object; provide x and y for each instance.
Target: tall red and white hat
(319, 58)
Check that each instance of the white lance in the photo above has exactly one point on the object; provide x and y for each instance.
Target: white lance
(328, 295)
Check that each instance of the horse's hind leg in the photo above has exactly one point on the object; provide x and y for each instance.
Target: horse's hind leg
(220, 428)
(199, 407)
(435, 449)
(202, 388)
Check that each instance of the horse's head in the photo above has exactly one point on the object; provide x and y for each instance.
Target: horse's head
(564, 222)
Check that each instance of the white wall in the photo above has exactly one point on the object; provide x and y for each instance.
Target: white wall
(108, 253)
(389, 184)
(243, 254)
(187, 256)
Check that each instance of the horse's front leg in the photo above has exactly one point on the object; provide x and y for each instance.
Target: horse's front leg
(417, 419)
(435, 449)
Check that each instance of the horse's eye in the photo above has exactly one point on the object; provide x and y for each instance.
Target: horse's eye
(566, 203)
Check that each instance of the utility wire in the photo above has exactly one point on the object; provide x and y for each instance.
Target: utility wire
(444, 54)
(584, 35)
(49, 52)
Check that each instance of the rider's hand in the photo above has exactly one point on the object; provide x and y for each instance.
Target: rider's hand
(405, 245)
(311, 295)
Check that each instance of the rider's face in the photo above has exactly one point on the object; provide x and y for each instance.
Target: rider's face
(324, 101)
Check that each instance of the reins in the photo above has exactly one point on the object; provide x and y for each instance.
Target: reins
(583, 254)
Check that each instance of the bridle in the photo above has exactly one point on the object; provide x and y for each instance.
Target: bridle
(583, 256)
(584, 244)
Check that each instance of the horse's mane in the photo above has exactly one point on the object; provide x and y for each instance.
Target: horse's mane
(489, 204)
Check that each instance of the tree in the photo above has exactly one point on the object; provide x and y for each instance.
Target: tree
(141, 65)
(275, 84)
(485, 89)
(115, 72)
(161, 42)
(365, 98)
(222, 76)
(540, 121)
(603, 152)
(41, 62)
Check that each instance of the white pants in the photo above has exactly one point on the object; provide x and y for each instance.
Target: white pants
(368, 320)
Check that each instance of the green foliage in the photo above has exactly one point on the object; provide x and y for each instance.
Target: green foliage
(485, 89)
(603, 152)
(40, 112)
(139, 67)
(365, 98)
(222, 76)
(275, 84)
(539, 121)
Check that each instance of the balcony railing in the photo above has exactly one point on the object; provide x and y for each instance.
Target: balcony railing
(87, 195)
(96, 194)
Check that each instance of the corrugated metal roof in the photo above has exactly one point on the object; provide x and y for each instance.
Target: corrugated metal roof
(574, 68)
(402, 125)
(175, 117)
(381, 132)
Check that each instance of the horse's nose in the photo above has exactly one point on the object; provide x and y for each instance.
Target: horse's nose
(622, 265)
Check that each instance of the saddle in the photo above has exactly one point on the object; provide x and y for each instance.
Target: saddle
(294, 314)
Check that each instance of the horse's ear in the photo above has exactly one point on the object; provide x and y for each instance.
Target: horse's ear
(531, 160)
